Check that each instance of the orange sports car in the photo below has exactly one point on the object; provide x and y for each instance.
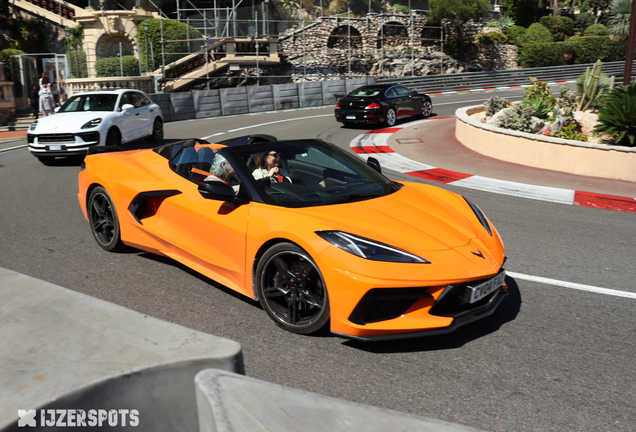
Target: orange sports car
(320, 238)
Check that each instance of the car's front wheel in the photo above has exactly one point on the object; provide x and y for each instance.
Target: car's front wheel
(113, 138)
(102, 216)
(291, 289)
(390, 118)
(157, 131)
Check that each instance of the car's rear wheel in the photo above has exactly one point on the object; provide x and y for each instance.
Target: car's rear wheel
(102, 216)
(113, 138)
(291, 289)
(157, 131)
(390, 118)
(427, 108)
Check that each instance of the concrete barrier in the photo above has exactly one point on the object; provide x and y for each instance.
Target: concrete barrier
(333, 91)
(207, 103)
(231, 402)
(310, 94)
(234, 101)
(286, 96)
(576, 157)
(261, 98)
(66, 350)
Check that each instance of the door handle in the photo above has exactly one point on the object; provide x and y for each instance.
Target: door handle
(137, 114)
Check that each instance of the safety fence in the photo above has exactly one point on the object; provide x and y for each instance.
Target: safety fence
(244, 100)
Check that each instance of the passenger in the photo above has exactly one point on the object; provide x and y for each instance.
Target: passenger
(224, 170)
(268, 164)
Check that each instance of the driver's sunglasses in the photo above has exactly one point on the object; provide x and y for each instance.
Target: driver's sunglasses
(276, 155)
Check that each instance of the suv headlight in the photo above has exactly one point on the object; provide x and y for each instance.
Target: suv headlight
(93, 123)
(33, 125)
(369, 249)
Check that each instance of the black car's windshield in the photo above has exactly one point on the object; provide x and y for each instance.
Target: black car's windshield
(90, 102)
(309, 173)
(369, 91)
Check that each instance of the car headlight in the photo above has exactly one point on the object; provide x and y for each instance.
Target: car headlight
(93, 123)
(369, 249)
(33, 125)
(480, 215)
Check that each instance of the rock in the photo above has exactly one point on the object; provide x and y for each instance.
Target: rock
(586, 120)
(557, 124)
(494, 120)
(536, 125)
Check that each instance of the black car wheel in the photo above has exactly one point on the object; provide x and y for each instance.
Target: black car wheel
(427, 108)
(113, 138)
(157, 131)
(390, 117)
(291, 289)
(103, 219)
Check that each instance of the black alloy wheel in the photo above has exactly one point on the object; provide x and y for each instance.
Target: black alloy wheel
(157, 131)
(291, 289)
(390, 117)
(102, 216)
(113, 138)
(427, 108)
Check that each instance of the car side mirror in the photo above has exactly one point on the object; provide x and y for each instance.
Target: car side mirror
(373, 163)
(220, 191)
(414, 93)
(126, 107)
(56, 109)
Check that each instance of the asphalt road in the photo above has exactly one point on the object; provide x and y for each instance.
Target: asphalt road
(551, 358)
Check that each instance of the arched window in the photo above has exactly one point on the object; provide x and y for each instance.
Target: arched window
(431, 36)
(339, 38)
(108, 46)
(394, 34)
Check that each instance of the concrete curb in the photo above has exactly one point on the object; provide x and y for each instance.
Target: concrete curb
(375, 143)
(231, 402)
(65, 350)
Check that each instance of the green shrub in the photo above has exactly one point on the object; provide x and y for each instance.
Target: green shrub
(110, 66)
(596, 30)
(542, 107)
(559, 26)
(539, 89)
(522, 11)
(536, 33)
(5, 58)
(505, 23)
(544, 54)
(518, 118)
(496, 104)
(514, 33)
(588, 49)
(403, 9)
(77, 63)
(569, 132)
(583, 20)
(567, 104)
(491, 38)
(618, 118)
(492, 24)
(172, 30)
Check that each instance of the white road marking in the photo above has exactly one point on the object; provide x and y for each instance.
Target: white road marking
(573, 285)
(13, 148)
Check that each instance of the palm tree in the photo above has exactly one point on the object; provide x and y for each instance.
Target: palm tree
(619, 18)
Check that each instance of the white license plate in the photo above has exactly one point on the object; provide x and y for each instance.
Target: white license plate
(55, 147)
(351, 117)
(478, 292)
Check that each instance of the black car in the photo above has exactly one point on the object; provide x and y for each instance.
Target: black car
(382, 104)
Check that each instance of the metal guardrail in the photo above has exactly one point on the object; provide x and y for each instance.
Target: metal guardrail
(481, 80)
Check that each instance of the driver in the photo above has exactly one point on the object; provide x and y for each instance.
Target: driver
(222, 169)
(268, 164)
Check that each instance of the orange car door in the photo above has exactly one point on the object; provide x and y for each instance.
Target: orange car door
(204, 234)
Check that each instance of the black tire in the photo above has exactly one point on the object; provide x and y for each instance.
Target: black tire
(157, 131)
(291, 289)
(113, 138)
(390, 118)
(102, 216)
(427, 108)
(46, 160)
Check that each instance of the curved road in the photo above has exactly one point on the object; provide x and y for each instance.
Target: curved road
(551, 358)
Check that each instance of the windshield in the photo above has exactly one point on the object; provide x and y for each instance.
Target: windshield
(90, 102)
(309, 173)
(370, 91)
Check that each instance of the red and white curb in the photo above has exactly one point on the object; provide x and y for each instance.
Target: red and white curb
(375, 143)
(494, 88)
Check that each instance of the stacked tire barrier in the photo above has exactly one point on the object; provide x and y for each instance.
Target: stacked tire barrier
(245, 100)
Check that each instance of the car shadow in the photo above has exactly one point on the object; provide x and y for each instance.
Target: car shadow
(506, 312)
(378, 127)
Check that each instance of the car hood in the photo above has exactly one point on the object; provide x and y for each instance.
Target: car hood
(68, 122)
(410, 219)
